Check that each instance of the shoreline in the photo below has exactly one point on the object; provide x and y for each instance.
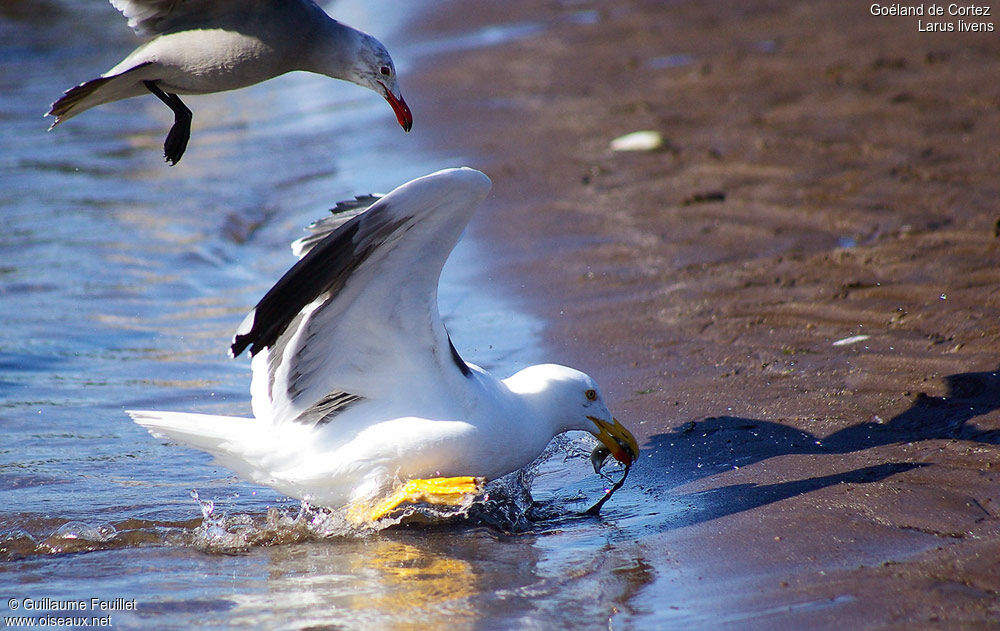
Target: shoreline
(817, 186)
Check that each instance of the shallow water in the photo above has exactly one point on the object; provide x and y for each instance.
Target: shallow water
(121, 281)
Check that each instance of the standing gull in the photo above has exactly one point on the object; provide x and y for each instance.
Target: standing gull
(356, 384)
(205, 46)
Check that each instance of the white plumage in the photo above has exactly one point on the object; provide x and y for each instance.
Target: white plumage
(356, 383)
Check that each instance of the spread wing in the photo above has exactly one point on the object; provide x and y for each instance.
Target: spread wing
(151, 17)
(357, 316)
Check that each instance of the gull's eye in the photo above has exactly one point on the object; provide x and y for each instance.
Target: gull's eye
(385, 70)
(591, 395)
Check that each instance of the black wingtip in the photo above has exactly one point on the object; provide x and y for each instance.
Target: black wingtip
(240, 343)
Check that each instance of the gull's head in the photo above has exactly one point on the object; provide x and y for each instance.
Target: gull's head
(374, 70)
(569, 399)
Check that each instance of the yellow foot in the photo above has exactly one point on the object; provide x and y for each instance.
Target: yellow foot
(439, 491)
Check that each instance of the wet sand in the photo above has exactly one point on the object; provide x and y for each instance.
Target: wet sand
(827, 174)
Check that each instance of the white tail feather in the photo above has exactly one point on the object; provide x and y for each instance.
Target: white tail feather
(214, 434)
(246, 446)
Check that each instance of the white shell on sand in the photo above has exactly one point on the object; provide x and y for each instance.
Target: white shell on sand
(854, 339)
(646, 140)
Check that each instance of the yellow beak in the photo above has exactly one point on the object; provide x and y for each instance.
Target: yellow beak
(619, 441)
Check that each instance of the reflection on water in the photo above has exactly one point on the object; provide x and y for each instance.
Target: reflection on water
(385, 583)
(414, 584)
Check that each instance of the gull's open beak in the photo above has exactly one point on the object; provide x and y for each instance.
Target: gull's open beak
(399, 106)
(615, 440)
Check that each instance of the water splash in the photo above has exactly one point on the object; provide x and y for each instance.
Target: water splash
(506, 506)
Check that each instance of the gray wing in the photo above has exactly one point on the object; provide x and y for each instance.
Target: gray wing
(357, 317)
(152, 17)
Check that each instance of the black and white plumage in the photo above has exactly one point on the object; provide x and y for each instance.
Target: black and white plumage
(355, 380)
(206, 46)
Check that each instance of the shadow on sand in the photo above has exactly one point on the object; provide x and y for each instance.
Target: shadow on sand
(717, 444)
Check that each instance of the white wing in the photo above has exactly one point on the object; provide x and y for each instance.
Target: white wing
(357, 316)
(151, 17)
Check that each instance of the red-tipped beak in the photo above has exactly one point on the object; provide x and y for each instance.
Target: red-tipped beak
(399, 106)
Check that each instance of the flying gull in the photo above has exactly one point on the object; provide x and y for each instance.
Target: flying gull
(205, 46)
(356, 384)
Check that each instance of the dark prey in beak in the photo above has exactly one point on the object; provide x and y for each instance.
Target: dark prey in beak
(596, 508)
(599, 456)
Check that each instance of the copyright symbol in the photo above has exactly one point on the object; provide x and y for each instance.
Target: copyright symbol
(13, 604)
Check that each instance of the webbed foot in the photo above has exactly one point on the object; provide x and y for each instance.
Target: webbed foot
(439, 491)
(180, 132)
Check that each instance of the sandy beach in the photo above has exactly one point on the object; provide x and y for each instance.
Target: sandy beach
(796, 300)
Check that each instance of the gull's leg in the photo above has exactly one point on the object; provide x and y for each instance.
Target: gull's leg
(177, 139)
(440, 491)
